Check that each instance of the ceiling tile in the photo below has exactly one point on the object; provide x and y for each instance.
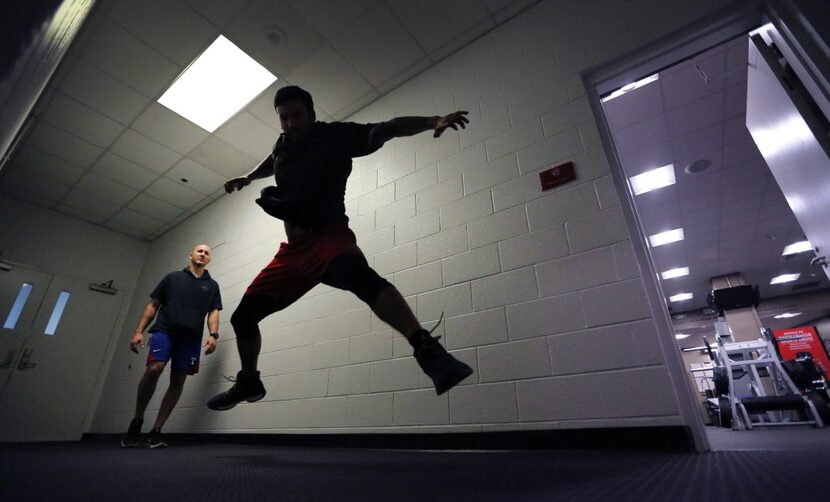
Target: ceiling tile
(91, 203)
(224, 159)
(84, 215)
(63, 145)
(103, 93)
(434, 23)
(70, 115)
(135, 223)
(651, 157)
(170, 129)
(635, 106)
(249, 134)
(250, 29)
(378, 62)
(155, 208)
(735, 101)
(123, 171)
(219, 12)
(131, 61)
(687, 84)
(697, 115)
(503, 10)
(263, 106)
(144, 151)
(642, 135)
(46, 165)
(331, 94)
(198, 177)
(107, 189)
(174, 193)
(329, 18)
(22, 184)
(169, 26)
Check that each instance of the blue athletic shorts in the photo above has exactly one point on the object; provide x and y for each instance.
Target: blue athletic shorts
(184, 351)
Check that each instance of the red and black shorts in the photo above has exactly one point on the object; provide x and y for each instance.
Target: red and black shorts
(331, 257)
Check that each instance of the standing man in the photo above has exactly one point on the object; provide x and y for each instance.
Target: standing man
(311, 161)
(182, 300)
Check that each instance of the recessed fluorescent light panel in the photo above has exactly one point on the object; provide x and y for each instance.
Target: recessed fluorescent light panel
(675, 272)
(681, 297)
(216, 85)
(787, 315)
(630, 87)
(653, 180)
(666, 237)
(784, 278)
(797, 247)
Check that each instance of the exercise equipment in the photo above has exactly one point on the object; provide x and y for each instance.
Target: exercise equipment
(754, 390)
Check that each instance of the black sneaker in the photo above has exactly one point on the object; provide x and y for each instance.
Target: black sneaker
(154, 440)
(130, 439)
(245, 388)
(445, 370)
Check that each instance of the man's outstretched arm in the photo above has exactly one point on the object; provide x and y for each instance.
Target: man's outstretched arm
(409, 126)
(263, 170)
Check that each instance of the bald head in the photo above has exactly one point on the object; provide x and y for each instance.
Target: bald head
(200, 255)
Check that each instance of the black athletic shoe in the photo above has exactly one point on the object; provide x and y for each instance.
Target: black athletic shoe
(154, 440)
(245, 388)
(130, 439)
(445, 370)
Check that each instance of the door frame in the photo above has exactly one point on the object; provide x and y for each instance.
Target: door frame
(110, 344)
(713, 30)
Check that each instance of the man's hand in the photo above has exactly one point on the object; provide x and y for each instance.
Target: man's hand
(210, 345)
(137, 341)
(237, 184)
(452, 120)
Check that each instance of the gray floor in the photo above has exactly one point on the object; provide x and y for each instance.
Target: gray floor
(770, 439)
(746, 466)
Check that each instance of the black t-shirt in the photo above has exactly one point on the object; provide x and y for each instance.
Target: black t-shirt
(313, 172)
(185, 301)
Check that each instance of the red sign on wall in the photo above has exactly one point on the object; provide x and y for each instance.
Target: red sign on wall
(794, 341)
(556, 176)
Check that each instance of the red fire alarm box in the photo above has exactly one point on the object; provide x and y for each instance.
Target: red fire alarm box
(557, 176)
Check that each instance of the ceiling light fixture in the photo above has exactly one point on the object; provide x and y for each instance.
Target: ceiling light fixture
(675, 272)
(666, 237)
(630, 87)
(681, 336)
(215, 86)
(797, 247)
(681, 297)
(653, 179)
(787, 315)
(781, 279)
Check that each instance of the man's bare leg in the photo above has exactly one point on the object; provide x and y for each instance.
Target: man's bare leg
(147, 386)
(392, 309)
(171, 397)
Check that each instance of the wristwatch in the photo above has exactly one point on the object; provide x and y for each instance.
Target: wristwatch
(215, 335)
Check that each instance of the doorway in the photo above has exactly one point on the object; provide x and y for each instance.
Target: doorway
(700, 190)
(53, 341)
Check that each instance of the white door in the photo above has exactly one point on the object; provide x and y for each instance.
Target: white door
(791, 132)
(51, 383)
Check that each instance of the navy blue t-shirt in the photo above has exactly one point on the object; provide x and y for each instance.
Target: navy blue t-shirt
(185, 301)
(313, 172)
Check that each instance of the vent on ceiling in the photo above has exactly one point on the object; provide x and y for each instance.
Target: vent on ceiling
(806, 285)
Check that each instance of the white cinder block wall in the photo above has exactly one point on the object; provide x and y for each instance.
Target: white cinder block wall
(541, 291)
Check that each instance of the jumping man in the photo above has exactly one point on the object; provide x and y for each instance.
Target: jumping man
(311, 161)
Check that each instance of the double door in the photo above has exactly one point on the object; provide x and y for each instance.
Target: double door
(53, 341)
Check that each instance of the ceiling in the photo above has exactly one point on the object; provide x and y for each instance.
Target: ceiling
(733, 214)
(99, 146)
